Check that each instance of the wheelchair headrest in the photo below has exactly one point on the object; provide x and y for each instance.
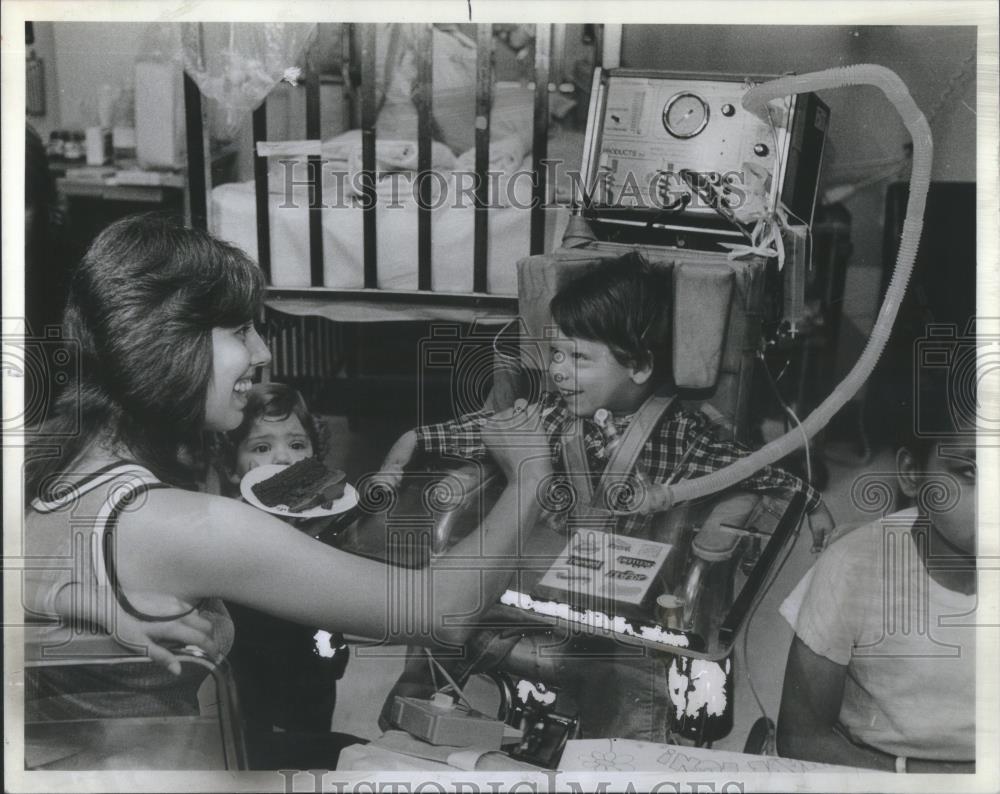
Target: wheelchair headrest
(702, 297)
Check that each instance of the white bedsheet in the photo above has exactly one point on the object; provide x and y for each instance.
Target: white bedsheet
(233, 215)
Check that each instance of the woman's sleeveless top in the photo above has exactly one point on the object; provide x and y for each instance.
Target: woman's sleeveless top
(71, 536)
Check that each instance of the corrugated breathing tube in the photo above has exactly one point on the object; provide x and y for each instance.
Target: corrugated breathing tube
(755, 100)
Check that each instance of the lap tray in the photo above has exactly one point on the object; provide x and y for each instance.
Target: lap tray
(436, 504)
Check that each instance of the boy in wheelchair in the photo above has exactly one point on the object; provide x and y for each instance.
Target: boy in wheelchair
(609, 356)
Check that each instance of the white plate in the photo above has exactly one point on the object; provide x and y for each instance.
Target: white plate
(254, 476)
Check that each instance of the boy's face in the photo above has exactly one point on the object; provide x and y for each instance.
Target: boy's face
(944, 486)
(590, 377)
(282, 441)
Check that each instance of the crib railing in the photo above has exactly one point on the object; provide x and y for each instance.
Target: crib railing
(360, 38)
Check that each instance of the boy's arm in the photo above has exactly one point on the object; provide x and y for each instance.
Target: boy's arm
(810, 706)
(459, 438)
(708, 454)
(463, 437)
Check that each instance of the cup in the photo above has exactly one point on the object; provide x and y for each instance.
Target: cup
(98, 144)
(670, 611)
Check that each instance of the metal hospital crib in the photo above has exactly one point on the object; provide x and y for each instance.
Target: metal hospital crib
(360, 74)
(453, 284)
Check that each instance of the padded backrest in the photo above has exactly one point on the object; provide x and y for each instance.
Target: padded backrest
(716, 326)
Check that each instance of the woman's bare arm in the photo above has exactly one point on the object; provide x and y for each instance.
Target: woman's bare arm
(194, 545)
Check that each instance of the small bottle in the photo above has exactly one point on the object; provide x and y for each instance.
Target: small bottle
(74, 149)
(57, 144)
(123, 131)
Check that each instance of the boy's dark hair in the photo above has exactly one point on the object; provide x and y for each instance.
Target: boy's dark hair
(624, 303)
(275, 401)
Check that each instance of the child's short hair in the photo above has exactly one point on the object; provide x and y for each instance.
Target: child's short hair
(624, 303)
(275, 401)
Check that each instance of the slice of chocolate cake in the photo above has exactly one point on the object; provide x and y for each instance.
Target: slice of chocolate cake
(302, 486)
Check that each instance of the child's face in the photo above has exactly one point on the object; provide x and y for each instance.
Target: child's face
(944, 487)
(282, 441)
(590, 377)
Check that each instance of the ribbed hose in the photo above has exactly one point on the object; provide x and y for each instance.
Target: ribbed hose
(755, 100)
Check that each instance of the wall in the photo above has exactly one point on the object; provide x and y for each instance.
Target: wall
(89, 55)
(864, 126)
(864, 131)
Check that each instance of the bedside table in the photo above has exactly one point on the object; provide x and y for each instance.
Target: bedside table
(94, 197)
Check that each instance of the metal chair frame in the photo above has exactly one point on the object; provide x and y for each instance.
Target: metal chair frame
(226, 704)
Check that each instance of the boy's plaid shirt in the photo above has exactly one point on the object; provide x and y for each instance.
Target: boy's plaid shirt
(683, 446)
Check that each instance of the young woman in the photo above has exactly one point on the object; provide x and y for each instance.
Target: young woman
(163, 316)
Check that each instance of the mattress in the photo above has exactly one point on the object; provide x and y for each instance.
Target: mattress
(233, 218)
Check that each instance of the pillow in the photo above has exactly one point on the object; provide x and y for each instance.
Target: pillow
(454, 92)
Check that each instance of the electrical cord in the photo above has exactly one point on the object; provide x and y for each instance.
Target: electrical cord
(433, 663)
(775, 573)
(790, 413)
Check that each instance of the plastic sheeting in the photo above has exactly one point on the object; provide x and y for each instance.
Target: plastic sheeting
(235, 64)
(238, 64)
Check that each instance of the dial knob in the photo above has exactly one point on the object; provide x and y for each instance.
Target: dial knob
(685, 115)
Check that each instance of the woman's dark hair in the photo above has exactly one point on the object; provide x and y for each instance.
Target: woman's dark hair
(141, 308)
(275, 401)
(624, 303)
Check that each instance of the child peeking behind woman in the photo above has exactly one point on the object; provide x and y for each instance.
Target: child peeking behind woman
(285, 674)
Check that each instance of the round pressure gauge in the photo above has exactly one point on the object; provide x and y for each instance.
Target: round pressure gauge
(685, 115)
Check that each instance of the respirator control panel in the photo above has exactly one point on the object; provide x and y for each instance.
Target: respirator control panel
(674, 148)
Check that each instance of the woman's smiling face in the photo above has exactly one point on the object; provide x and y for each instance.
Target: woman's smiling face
(236, 354)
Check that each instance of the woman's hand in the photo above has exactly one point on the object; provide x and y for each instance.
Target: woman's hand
(146, 637)
(399, 456)
(156, 638)
(516, 439)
